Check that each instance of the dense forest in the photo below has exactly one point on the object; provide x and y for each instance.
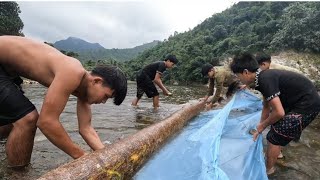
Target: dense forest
(246, 26)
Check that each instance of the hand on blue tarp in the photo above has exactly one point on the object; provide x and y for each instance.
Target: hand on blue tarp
(260, 128)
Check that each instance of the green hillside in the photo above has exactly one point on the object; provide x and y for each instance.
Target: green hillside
(246, 26)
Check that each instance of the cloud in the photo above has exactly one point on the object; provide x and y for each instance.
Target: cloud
(114, 24)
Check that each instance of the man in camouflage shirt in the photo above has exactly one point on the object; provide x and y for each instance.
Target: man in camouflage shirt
(219, 77)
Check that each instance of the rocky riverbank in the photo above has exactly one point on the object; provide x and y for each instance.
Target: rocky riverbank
(28, 81)
(307, 63)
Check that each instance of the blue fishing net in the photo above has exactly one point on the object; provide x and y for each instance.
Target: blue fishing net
(215, 145)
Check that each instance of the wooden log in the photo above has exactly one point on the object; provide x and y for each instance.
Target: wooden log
(124, 158)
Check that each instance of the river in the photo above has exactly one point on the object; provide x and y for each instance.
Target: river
(112, 123)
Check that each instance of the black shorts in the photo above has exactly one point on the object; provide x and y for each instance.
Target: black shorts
(13, 104)
(289, 128)
(145, 85)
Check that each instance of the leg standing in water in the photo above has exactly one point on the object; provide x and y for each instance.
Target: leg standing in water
(18, 118)
(291, 103)
(20, 56)
(151, 75)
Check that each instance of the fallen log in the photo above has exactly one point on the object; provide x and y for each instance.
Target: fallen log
(124, 158)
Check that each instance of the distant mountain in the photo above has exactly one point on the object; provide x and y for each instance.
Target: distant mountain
(116, 54)
(76, 45)
(94, 51)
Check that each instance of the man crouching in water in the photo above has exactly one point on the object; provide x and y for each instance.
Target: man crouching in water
(63, 75)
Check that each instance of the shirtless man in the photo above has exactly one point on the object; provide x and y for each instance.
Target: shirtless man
(63, 75)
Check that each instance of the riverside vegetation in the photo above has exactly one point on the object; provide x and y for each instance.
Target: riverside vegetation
(289, 29)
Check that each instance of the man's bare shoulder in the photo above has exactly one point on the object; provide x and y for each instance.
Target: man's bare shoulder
(16, 49)
(38, 61)
(70, 72)
(70, 82)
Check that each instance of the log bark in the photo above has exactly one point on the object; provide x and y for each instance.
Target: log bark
(124, 158)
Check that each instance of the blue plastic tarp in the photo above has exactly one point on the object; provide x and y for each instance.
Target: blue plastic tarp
(215, 145)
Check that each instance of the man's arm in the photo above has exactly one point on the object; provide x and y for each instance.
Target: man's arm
(158, 81)
(86, 130)
(53, 105)
(265, 110)
(211, 87)
(276, 114)
(220, 81)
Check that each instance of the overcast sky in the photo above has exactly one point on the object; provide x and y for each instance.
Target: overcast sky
(115, 24)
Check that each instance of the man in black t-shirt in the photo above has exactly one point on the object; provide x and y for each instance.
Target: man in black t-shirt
(291, 97)
(151, 74)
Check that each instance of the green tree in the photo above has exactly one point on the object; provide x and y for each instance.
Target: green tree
(10, 22)
(89, 65)
(246, 26)
(72, 54)
(300, 28)
(219, 32)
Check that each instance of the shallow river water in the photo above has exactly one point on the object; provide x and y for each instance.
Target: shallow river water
(302, 159)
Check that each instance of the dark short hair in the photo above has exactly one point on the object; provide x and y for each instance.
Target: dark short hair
(244, 61)
(205, 69)
(113, 78)
(262, 57)
(172, 58)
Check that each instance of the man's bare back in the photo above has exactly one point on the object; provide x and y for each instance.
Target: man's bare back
(35, 60)
(63, 76)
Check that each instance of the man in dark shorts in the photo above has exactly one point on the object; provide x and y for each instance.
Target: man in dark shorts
(151, 74)
(291, 97)
(64, 76)
(264, 61)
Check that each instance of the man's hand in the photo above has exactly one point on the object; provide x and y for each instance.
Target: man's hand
(255, 135)
(210, 105)
(260, 128)
(242, 86)
(167, 93)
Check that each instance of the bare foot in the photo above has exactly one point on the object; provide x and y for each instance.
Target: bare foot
(134, 105)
